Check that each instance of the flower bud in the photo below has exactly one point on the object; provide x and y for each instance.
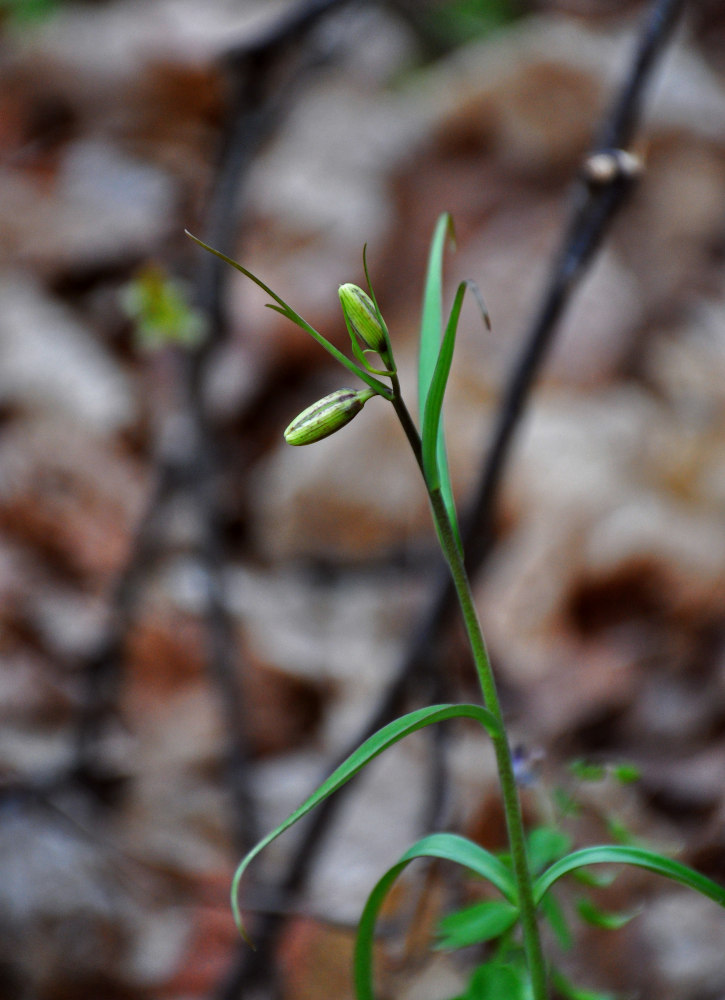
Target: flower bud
(327, 416)
(361, 314)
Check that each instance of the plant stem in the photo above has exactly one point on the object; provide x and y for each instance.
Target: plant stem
(487, 683)
(406, 421)
(507, 780)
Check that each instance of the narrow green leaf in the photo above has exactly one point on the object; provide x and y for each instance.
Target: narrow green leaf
(594, 915)
(428, 362)
(626, 774)
(434, 400)
(287, 311)
(594, 880)
(367, 751)
(566, 803)
(587, 771)
(360, 352)
(494, 981)
(546, 844)
(620, 832)
(640, 857)
(557, 921)
(28, 12)
(432, 317)
(476, 923)
(387, 353)
(447, 846)
(435, 459)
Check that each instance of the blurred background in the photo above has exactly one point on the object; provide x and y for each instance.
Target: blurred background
(196, 619)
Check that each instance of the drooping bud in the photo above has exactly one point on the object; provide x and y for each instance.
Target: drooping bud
(327, 416)
(362, 316)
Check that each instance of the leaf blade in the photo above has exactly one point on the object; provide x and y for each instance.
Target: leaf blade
(435, 349)
(432, 312)
(474, 924)
(594, 915)
(431, 430)
(367, 751)
(637, 856)
(286, 310)
(445, 846)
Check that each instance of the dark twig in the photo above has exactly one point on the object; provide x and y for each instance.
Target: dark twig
(293, 26)
(263, 78)
(595, 206)
(254, 109)
(102, 668)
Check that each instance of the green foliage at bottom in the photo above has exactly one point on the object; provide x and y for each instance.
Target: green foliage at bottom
(27, 11)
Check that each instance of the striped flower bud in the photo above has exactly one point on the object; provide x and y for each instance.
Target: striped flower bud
(327, 416)
(362, 316)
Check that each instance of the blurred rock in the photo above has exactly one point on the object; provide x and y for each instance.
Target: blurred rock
(30, 695)
(50, 364)
(70, 625)
(69, 497)
(346, 638)
(603, 601)
(439, 978)
(118, 40)
(674, 224)
(684, 933)
(354, 494)
(103, 210)
(317, 959)
(167, 651)
(66, 917)
(689, 788)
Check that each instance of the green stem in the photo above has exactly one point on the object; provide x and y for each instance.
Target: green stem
(507, 779)
(411, 431)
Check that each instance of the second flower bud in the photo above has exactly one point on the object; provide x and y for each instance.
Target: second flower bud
(327, 415)
(363, 318)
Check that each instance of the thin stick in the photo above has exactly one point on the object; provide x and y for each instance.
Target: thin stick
(593, 211)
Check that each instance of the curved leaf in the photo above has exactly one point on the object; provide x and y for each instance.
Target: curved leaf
(367, 751)
(287, 311)
(431, 327)
(476, 923)
(447, 846)
(434, 400)
(544, 845)
(360, 352)
(387, 354)
(597, 917)
(432, 317)
(556, 919)
(638, 856)
(495, 980)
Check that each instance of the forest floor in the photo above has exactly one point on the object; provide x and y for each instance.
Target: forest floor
(603, 600)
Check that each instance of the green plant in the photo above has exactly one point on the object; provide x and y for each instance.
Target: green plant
(160, 310)
(491, 923)
(458, 21)
(525, 877)
(28, 11)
